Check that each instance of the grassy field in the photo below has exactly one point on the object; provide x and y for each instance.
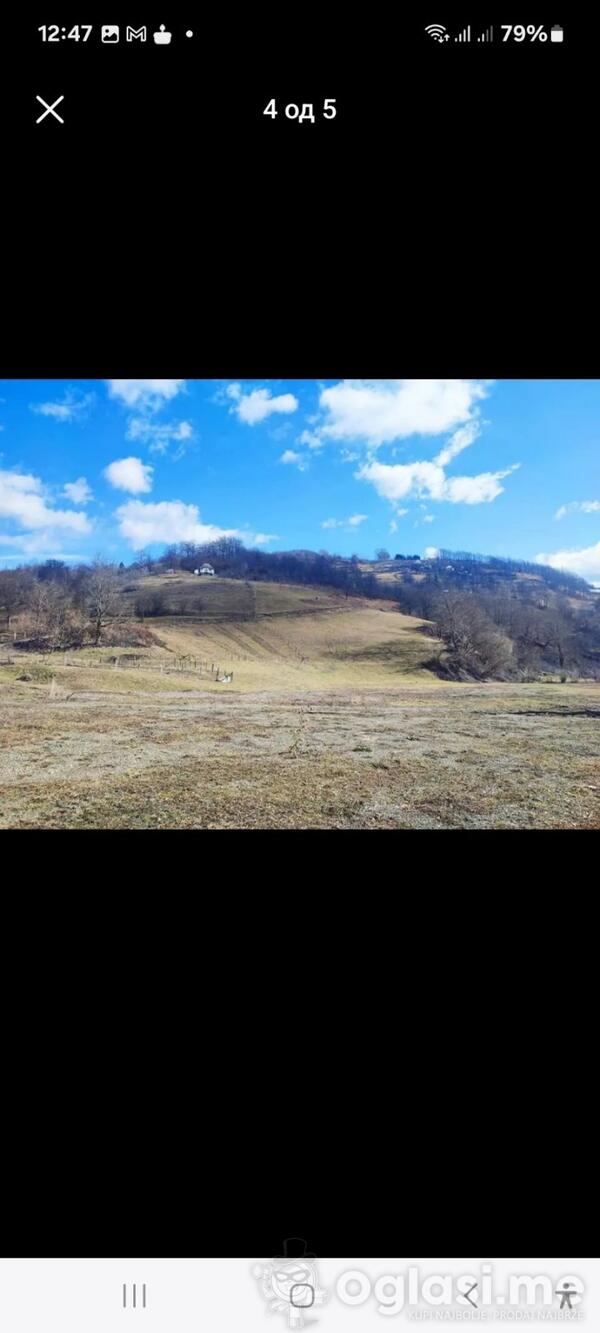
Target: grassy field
(441, 756)
(211, 597)
(332, 721)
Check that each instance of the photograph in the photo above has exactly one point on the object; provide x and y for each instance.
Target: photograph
(299, 604)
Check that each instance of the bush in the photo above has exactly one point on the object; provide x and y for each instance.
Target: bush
(151, 604)
(42, 674)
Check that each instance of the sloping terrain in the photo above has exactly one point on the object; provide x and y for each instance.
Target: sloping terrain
(331, 720)
(207, 596)
(271, 636)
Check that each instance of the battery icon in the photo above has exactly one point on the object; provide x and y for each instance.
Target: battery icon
(556, 33)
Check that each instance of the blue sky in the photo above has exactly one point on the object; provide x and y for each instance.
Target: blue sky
(506, 467)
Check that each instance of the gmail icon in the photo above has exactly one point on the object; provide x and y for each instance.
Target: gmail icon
(136, 34)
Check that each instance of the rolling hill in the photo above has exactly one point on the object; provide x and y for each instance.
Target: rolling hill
(272, 636)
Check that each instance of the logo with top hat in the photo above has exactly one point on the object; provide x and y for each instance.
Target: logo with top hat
(290, 1283)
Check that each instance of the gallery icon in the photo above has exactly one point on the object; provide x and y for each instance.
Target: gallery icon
(110, 32)
(161, 37)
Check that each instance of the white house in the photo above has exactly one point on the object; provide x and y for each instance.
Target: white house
(205, 569)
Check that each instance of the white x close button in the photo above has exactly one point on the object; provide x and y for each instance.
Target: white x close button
(50, 109)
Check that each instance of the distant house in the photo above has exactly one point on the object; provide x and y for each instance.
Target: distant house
(205, 569)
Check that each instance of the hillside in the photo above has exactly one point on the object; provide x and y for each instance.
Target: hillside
(333, 718)
(210, 598)
(466, 617)
(271, 636)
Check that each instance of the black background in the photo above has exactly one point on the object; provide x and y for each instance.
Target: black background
(442, 223)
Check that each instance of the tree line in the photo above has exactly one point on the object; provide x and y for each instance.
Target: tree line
(59, 606)
(491, 622)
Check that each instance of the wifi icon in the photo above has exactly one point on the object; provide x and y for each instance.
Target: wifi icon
(438, 32)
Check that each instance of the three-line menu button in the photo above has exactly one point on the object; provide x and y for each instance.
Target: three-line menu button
(137, 1296)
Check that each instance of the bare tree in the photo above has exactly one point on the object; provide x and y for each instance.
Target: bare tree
(382, 554)
(14, 589)
(103, 597)
(473, 642)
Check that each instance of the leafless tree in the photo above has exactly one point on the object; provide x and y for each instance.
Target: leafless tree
(473, 643)
(14, 590)
(103, 597)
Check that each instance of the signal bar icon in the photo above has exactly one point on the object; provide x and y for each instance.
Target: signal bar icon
(465, 35)
(487, 36)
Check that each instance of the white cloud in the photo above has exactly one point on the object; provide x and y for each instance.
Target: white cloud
(431, 552)
(258, 404)
(311, 438)
(36, 548)
(399, 481)
(261, 538)
(159, 435)
(393, 526)
(129, 474)
(74, 406)
(353, 522)
(78, 491)
(148, 394)
(380, 411)
(461, 439)
(143, 524)
(280, 432)
(584, 506)
(21, 500)
(477, 490)
(403, 481)
(428, 518)
(289, 456)
(585, 562)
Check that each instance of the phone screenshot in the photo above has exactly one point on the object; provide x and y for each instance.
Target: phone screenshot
(299, 446)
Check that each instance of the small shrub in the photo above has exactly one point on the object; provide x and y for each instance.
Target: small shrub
(562, 677)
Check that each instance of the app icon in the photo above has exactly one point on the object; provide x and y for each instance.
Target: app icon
(162, 38)
(110, 32)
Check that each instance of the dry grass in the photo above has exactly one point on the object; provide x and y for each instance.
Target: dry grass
(447, 756)
(352, 643)
(331, 722)
(229, 597)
